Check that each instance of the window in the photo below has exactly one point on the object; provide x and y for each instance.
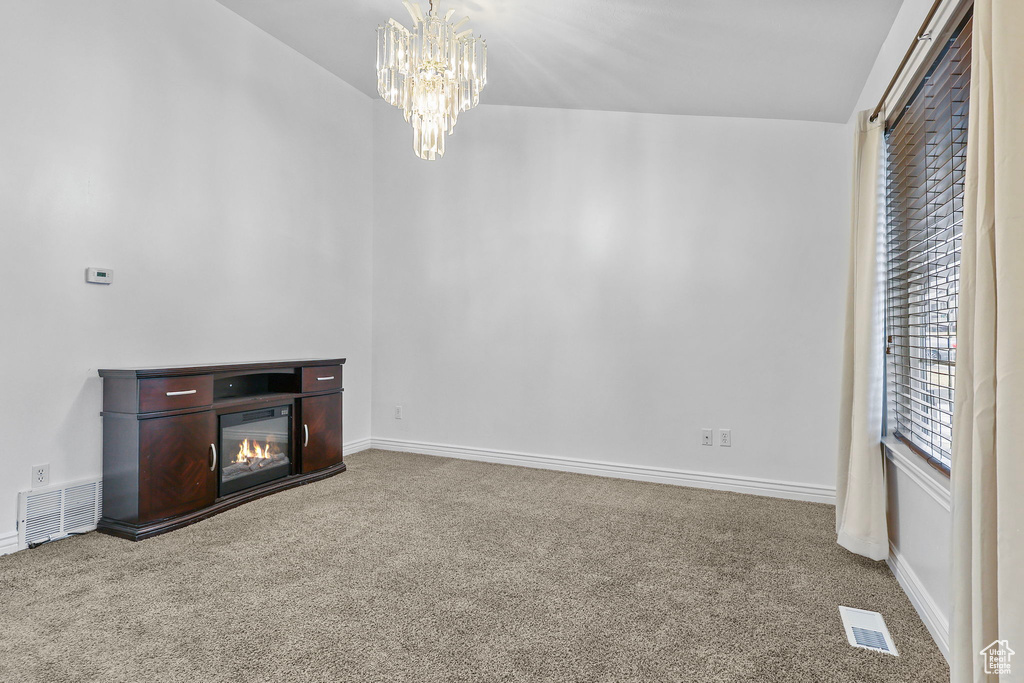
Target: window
(926, 145)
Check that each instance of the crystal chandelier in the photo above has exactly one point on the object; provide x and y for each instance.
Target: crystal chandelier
(432, 72)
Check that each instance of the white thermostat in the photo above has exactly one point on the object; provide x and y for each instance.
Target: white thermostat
(99, 276)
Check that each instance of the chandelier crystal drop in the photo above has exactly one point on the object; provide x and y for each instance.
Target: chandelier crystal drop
(433, 72)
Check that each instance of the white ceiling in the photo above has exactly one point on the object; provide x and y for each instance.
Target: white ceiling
(785, 59)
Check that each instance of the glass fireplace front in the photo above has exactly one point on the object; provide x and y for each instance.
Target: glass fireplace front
(255, 447)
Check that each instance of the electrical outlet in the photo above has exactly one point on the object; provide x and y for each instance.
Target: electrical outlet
(40, 475)
(398, 412)
(706, 437)
(725, 437)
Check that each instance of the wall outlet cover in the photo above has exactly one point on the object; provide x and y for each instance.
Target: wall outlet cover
(725, 437)
(40, 475)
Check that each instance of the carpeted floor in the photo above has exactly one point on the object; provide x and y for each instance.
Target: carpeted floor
(416, 568)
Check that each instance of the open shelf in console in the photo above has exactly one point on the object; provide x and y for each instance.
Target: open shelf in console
(231, 386)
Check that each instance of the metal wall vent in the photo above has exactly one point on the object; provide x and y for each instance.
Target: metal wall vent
(55, 511)
(867, 630)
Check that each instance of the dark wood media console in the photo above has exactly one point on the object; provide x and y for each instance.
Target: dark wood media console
(166, 432)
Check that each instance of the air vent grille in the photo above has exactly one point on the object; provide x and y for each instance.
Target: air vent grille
(871, 639)
(56, 511)
(80, 506)
(867, 629)
(42, 516)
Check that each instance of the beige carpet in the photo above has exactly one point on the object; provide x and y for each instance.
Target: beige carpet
(415, 568)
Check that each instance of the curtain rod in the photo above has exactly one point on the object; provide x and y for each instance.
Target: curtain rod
(921, 35)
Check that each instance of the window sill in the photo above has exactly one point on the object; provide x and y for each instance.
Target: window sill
(934, 482)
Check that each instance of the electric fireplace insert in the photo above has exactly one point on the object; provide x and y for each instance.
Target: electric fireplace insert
(255, 447)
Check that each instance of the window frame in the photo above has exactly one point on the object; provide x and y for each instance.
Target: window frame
(895, 411)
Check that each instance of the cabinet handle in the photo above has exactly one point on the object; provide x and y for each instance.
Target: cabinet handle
(324, 379)
(181, 393)
(306, 441)
(213, 459)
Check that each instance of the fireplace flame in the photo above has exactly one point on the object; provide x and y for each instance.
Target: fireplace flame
(248, 454)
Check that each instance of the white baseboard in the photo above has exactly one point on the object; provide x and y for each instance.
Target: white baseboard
(933, 618)
(9, 543)
(356, 446)
(721, 482)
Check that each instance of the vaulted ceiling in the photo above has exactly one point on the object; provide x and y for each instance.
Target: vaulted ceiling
(786, 59)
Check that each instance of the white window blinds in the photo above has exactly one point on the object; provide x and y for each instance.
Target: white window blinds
(926, 159)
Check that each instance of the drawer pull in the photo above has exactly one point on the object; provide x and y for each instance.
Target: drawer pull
(181, 393)
(213, 463)
(305, 442)
(324, 379)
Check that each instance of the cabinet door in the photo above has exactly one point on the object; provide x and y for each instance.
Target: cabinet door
(175, 458)
(321, 417)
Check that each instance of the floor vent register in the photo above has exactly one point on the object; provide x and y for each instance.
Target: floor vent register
(867, 630)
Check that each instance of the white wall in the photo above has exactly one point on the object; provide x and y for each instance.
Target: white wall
(920, 523)
(600, 286)
(222, 176)
(920, 537)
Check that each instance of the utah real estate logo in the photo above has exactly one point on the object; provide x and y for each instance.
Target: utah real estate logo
(997, 657)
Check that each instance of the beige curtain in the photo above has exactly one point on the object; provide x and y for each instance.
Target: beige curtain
(988, 419)
(860, 477)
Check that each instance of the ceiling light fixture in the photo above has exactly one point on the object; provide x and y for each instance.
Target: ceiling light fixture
(433, 72)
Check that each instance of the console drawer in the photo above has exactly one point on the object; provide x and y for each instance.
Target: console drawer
(173, 393)
(321, 378)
